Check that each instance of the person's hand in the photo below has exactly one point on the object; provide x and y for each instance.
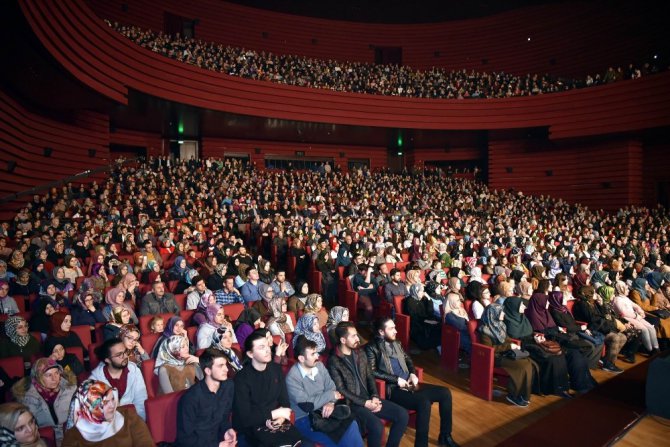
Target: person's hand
(139, 348)
(370, 405)
(514, 346)
(229, 439)
(327, 410)
(192, 359)
(583, 327)
(281, 348)
(588, 332)
(281, 412)
(414, 379)
(430, 322)
(402, 383)
(338, 395)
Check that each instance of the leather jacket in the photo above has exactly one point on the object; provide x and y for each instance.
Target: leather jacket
(380, 363)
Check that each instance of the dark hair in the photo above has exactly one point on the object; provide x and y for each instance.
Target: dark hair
(207, 358)
(196, 279)
(544, 286)
(302, 344)
(380, 324)
(249, 342)
(280, 271)
(104, 350)
(342, 329)
(248, 269)
(394, 271)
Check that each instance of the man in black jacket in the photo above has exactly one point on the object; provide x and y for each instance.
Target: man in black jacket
(353, 378)
(390, 363)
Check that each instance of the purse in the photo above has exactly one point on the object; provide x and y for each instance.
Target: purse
(550, 347)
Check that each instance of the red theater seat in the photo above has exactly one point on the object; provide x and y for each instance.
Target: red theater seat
(162, 416)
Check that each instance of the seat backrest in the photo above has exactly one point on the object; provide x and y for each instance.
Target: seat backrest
(150, 379)
(92, 357)
(397, 303)
(570, 305)
(187, 317)
(162, 416)
(146, 319)
(48, 435)
(148, 342)
(472, 330)
(20, 302)
(192, 332)
(83, 332)
(234, 310)
(13, 366)
(180, 298)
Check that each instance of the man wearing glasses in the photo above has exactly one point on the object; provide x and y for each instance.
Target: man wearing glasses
(115, 370)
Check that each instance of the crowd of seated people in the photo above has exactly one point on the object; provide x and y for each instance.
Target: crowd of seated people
(568, 288)
(359, 77)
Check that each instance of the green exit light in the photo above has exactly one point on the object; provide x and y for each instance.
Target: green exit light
(180, 129)
(399, 140)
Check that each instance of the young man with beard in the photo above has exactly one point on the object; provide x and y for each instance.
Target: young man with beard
(350, 370)
(262, 410)
(390, 363)
(203, 412)
(115, 370)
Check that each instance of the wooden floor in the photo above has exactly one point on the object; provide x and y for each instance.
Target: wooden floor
(651, 430)
(478, 423)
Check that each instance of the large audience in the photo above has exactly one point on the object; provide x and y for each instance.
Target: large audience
(359, 77)
(225, 282)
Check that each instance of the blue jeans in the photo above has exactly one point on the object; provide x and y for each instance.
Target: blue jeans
(352, 437)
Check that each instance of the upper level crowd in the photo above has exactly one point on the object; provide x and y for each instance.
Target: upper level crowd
(167, 258)
(358, 77)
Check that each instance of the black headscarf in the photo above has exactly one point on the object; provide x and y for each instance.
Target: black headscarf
(517, 324)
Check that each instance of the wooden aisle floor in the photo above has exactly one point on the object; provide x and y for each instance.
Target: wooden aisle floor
(478, 423)
(651, 430)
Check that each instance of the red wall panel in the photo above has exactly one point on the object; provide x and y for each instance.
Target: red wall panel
(655, 169)
(417, 157)
(153, 142)
(604, 174)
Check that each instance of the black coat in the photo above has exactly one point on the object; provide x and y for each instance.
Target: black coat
(380, 363)
(346, 381)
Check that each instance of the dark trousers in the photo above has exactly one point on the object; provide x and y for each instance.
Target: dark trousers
(422, 401)
(375, 428)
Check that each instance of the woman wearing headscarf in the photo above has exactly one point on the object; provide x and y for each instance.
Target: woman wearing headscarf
(235, 359)
(564, 319)
(117, 297)
(95, 419)
(130, 284)
(600, 278)
(215, 281)
(21, 284)
(210, 331)
(49, 292)
(542, 322)
(279, 323)
(314, 305)
(179, 269)
(597, 312)
(69, 362)
(16, 262)
(553, 377)
(308, 326)
(174, 326)
(98, 278)
(248, 321)
(40, 319)
(47, 393)
(176, 368)
(634, 315)
(580, 280)
(63, 285)
(522, 372)
(120, 316)
(200, 315)
(296, 303)
(476, 276)
(424, 330)
(336, 315)
(629, 275)
(455, 315)
(130, 336)
(18, 427)
(5, 274)
(86, 309)
(263, 306)
(71, 270)
(20, 342)
(301, 259)
(61, 334)
(641, 295)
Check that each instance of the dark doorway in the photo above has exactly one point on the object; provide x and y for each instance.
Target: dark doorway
(174, 24)
(664, 194)
(125, 151)
(388, 55)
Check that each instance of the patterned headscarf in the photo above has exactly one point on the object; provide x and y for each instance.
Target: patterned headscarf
(87, 411)
(490, 324)
(10, 329)
(117, 314)
(305, 327)
(310, 303)
(168, 354)
(335, 316)
(211, 312)
(41, 366)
